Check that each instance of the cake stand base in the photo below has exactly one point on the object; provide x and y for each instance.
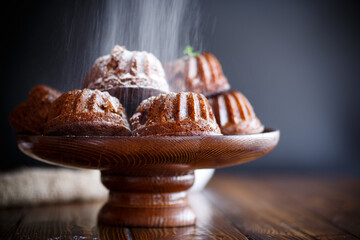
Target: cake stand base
(147, 198)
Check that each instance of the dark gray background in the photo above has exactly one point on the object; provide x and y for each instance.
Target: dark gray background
(296, 61)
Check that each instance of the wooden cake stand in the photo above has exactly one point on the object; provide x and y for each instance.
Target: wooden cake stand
(148, 177)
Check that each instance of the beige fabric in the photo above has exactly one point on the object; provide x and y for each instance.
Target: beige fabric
(33, 186)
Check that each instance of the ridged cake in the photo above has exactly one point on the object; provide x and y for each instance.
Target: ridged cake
(30, 117)
(131, 76)
(87, 112)
(183, 113)
(235, 115)
(201, 74)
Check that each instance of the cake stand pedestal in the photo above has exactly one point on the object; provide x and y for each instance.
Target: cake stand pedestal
(147, 198)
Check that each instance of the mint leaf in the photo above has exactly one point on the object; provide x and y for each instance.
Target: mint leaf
(188, 52)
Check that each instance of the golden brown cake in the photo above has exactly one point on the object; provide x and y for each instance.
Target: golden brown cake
(131, 76)
(87, 112)
(30, 117)
(183, 113)
(201, 74)
(235, 115)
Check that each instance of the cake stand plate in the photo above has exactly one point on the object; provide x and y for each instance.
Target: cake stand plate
(148, 177)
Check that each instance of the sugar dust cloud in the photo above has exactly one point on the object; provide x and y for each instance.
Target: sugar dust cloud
(163, 28)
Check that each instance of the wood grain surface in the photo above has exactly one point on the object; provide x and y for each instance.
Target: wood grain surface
(242, 207)
(160, 152)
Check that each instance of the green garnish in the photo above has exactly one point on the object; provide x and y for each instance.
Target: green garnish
(188, 52)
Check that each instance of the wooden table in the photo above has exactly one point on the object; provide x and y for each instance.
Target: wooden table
(231, 207)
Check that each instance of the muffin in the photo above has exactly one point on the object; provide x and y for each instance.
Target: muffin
(235, 115)
(87, 112)
(30, 117)
(131, 76)
(202, 74)
(183, 113)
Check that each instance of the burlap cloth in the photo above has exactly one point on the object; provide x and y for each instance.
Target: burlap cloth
(34, 186)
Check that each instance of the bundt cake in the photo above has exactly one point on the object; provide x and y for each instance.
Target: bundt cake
(87, 112)
(30, 117)
(235, 115)
(183, 113)
(131, 76)
(201, 74)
